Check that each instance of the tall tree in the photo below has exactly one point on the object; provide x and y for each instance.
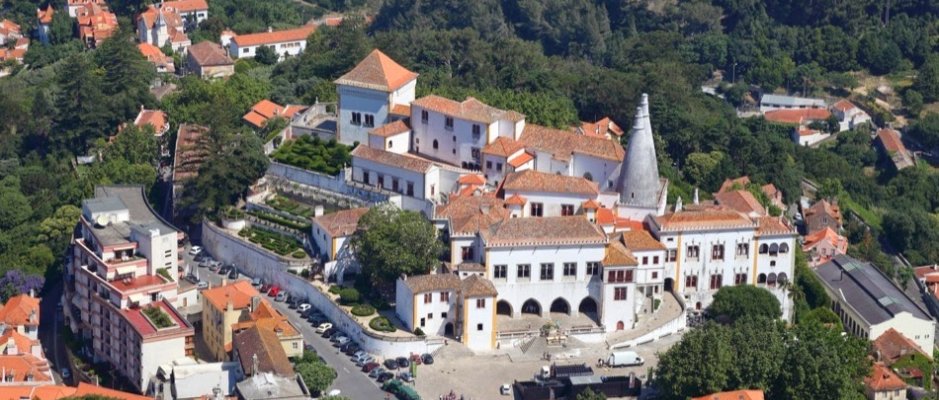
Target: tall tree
(127, 76)
(735, 302)
(927, 79)
(82, 107)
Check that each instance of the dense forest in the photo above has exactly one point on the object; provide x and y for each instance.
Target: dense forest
(558, 61)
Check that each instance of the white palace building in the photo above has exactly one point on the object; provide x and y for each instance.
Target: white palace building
(544, 222)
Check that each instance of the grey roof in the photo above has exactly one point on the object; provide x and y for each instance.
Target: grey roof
(639, 182)
(867, 290)
(193, 381)
(104, 204)
(586, 380)
(269, 386)
(135, 200)
(791, 101)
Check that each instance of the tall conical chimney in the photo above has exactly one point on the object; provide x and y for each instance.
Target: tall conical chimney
(639, 174)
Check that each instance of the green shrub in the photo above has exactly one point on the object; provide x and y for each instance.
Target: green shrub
(164, 272)
(381, 324)
(419, 332)
(299, 254)
(362, 310)
(312, 153)
(335, 289)
(158, 317)
(349, 296)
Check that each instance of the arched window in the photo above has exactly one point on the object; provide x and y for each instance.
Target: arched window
(771, 280)
(588, 176)
(782, 278)
(784, 248)
(390, 145)
(761, 279)
(764, 248)
(773, 249)
(435, 144)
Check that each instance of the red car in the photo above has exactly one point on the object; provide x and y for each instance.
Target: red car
(274, 291)
(368, 367)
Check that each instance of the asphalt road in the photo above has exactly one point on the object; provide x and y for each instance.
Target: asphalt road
(50, 322)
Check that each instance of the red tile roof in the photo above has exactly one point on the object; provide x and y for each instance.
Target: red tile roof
(730, 184)
(266, 346)
(341, 223)
(24, 345)
(616, 254)
(403, 161)
(154, 118)
(640, 240)
(20, 310)
(472, 179)
(268, 38)
(209, 54)
(45, 16)
(891, 345)
(600, 128)
(563, 143)
(379, 72)
(390, 129)
(768, 226)
(734, 395)
(882, 379)
(704, 219)
(56, 392)
(189, 151)
(8, 28)
(534, 181)
(95, 23)
(264, 110)
(139, 282)
(516, 200)
(891, 140)
(20, 366)
(154, 54)
(403, 110)
(470, 214)
(470, 109)
(740, 200)
(503, 147)
(543, 231)
(828, 234)
(797, 116)
(590, 205)
(520, 160)
(187, 6)
(238, 293)
(844, 105)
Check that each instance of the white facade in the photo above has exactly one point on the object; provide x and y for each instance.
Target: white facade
(362, 109)
(282, 48)
(920, 331)
(397, 143)
(552, 204)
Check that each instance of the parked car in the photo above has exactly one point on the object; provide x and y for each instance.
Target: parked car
(266, 287)
(233, 274)
(428, 359)
(324, 327)
(358, 353)
(365, 359)
(202, 285)
(214, 267)
(304, 307)
(505, 389)
(406, 376)
(403, 362)
(329, 332)
(316, 320)
(256, 282)
(192, 279)
(391, 364)
(334, 393)
(370, 366)
(351, 348)
(224, 270)
(294, 302)
(385, 376)
(342, 340)
(281, 297)
(195, 250)
(275, 290)
(376, 372)
(199, 258)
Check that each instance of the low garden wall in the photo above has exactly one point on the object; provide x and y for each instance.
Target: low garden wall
(229, 248)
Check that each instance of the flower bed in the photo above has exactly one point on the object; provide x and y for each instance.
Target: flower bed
(281, 203)
(362, 310)
(280, 244)
(158, 317)
(381, 324)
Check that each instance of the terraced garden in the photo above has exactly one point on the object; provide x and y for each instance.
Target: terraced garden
(283, 245)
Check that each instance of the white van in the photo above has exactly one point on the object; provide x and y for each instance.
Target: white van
(624, 359)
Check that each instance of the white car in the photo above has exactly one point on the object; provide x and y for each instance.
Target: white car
(195, 250)
(505, 389)
(334, 392)
(323, 327)
(303, 307)
(342, 340)
(202, 285)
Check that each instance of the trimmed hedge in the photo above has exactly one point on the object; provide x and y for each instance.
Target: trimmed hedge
(381, 324)
(335, 289)
(279, 220)
(419, 332)
(280, 244)
(349, 296)
(362, 310)
(299, 254)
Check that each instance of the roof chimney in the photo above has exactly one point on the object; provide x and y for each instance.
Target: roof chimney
(678, 205)
(695, 195)
(269, 29)
(255, 303)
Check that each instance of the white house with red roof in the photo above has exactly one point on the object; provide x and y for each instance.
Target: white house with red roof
(75, 5)
(265, 110)
(162, 24)
(823, 244)
(372, 94)
(9, 32)
(285, 43)
(849, 115)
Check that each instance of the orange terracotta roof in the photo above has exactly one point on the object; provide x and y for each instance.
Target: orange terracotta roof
(238, 293)
(844, 105)
(154, 118)
(403, 110)
(268, 38)
(403, 161)
(150, 51)
(44, 392)
(562, 144)
(534, 181)
(516, 200)
(770, 190)
(640, 240)
(828, 234)
(187, 5)
(268, 318)
(891, 140)
(340, 223)
(520, 160)
(808, 132)
(773, 226)
(616, 254)
(24, 345)
(892, 345)
(209, 54)
(390, 129)
(730, 184)
(20, 366)
(590, 205)
(472, 179)
(470, 109)
(377, 71)
(20, 310)
(470, 214)
(740, 200)
(734, 395)
(45, 16)
(8, 28)
(600, 128)
(264, 344)
(882, 379)
(797, 116)
(704, 219)
(503, 147)
(605, 217)
(543, 231)
(254, 119)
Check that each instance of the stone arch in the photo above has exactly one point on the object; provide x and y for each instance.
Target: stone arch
(531, 306)
(773, 249)
(503, 308)
(764, 248)
(588, 305)
(560, 305)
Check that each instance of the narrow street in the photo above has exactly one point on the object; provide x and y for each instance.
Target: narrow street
(50, 324)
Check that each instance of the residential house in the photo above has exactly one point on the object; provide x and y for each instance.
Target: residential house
(75, 5)
(432, 303)
(16, 52)
(209, 60)
(823, 215)
(56, 392)
(371, 94)
(849, 115)
(709, 248)
(258, 351)
(222, 308)
(734, 395)
(285, 43)
(162, 62)
(800, 119)
(162, 25)
(44, 18)
(891, 346)
(264, 110)
(192, 12)
(869, 303)
(331, 232)
(823, 244)
(95, 24)
(119, 295)
(190, 379)
(605, 128)
(266, 318)
(770, 102)
(884, 384)
(928, 277)
(890, 143)
(9, 32)
(774, 195)
(155, 119)
(21, 313)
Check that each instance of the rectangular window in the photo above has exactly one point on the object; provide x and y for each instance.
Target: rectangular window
(422, 322)
(475, 152)
(645, 260)
(488, 165)
(524, 270)
(499, 166)
(476, 132)
(448, 123)
(691, 281)
(369, 120)
(717, 252)
(537, 209)
(381, 181)
(716, 281)
(619, 293)
(671, 256)
(356, 118)
(428, 297)
(443, 315)
(424, 116)
(445, 297)
(430, 315)
(655, 275)
(570, 269)
(479, 327)
(410, 191)
(740, 279)
(480, 303)
(655, 260)
(743, 249)
(499, 271)
(394, 184)
(365, 176)
(629, 275)
(547, 272)
(467, 252)
(693, 251)
(593, 268)
(567, 209)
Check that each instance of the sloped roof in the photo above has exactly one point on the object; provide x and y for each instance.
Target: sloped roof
(155, 118)
(882, 379)
(340, 223)
(734, 395)
(890, 139)
(503, 147)
(470, 214)
(535, 181)
(20, 310)
(266, 346)
(867, 290)
(477, 286)
(21, 366)
(729, 184)
(267, 38)
(470, 109)
(844, 105)
(403, 161)
(187, 5)
(797, 116)
(769, 226)
(562, 144)
(239, 293)
(703, 219)
(740, 200)
(209, 54)
(818, 236)
(432, 283)
(600, 128)
(543, 231)
(892, 345)
(391, 129)
(520, 159)
(639, 240)
(377, 71)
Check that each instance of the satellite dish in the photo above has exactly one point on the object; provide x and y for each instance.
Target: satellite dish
(101, 221)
